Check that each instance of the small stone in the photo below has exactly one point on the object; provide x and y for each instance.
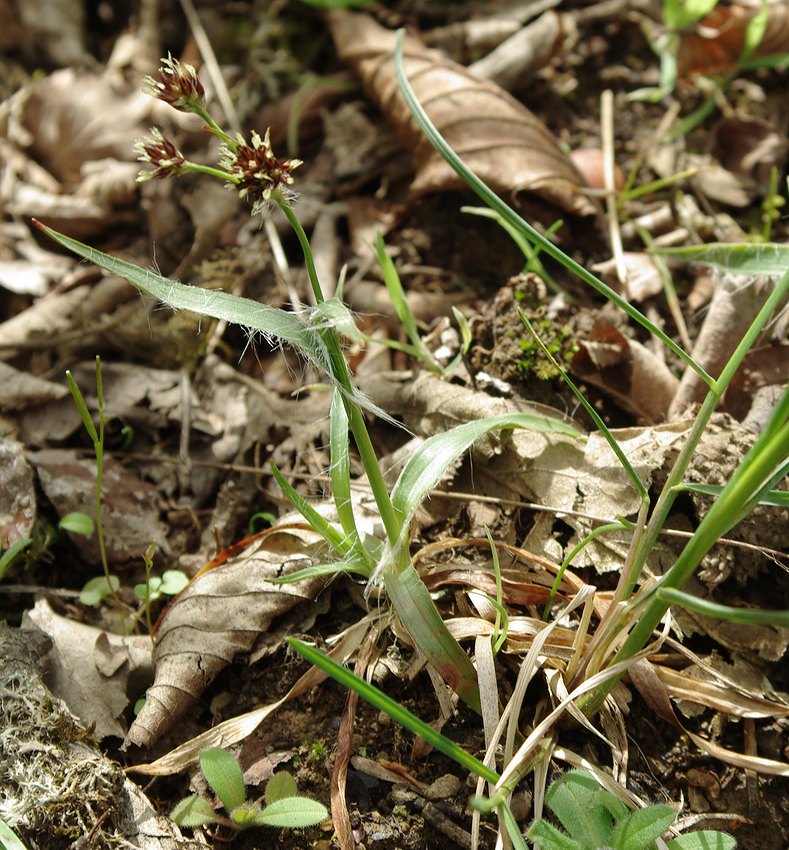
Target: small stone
(445, 786)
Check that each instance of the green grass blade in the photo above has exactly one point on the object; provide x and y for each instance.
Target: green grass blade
(338, 541)
(428, 464)
(772, 498)
(9, 840)
(272, 323)
(745, 616)
(397, 712)
(509, 215)
(741, 258)
(8, 557)
(594, 415)
(400, 303)
(414, 605)
(341, 469)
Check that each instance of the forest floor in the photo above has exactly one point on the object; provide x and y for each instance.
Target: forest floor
(569, 127)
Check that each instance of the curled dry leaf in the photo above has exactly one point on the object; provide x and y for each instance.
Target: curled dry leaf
(717, 41)
(219, 615)
(734, 304)
(504, 143)
(631, 373)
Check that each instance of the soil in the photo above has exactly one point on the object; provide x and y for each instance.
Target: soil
(196, 495)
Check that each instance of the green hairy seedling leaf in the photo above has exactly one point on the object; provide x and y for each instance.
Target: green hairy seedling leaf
(193, 811)
(704, 839)
(550, 838)
(281, 786)
(223, 774)
(584, 808)
(293, 813)
(245, 815)
(639, 829)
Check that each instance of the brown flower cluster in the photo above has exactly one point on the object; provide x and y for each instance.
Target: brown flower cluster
(254, 171)
(160, 152)
(177, 85)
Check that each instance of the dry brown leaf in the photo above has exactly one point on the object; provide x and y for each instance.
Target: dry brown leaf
(90, 669)
(129, 506)
(504, 143)
(716, 42)
(235, 729)
(219, 615)
(735, 303)
(628, 371)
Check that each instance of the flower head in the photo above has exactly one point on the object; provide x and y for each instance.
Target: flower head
(177, 85)
(167, 160)
(254, 171)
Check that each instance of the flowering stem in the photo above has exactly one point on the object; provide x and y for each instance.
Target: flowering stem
(340, 372)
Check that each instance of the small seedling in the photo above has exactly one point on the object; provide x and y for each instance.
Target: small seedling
(594, 818)
(108, 582)
(170, 583)
(283, 809)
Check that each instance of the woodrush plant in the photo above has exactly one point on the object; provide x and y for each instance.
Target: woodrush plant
(252, 169)
(284, 808)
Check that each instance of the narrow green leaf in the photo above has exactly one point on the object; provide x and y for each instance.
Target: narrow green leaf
(415, 607)
(778, 618)
(336, 539)
(12, 553)
(293, 813)
(339, 452)
(703, 839)
(774, 498)
(280, 786)
(512, 827)
(9, 840)
(223, 774)
(508, 214)
(273, 324)
(639, 829)
(397, 712)
(329, 569)
(193, 811)
(82, 407)
(739, 257)
(428, 464)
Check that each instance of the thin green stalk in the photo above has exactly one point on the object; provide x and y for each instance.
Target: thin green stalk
(340, 372)
(509, 215)
(769, 452)
(394, 709)
(669, 492)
